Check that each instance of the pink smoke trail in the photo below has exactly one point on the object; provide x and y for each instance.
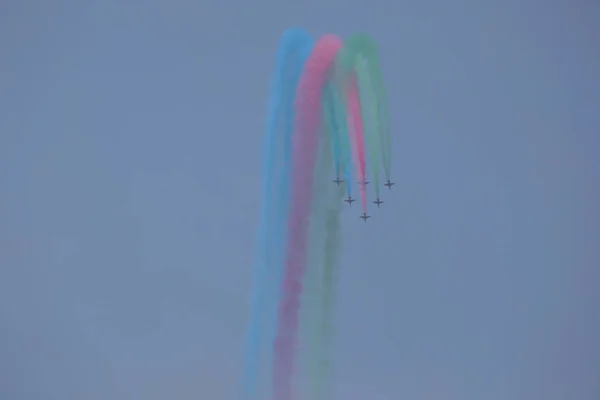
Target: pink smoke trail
(305, 141)
(357, 132)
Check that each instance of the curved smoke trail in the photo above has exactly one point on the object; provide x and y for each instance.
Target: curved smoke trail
(360, 52)
(326, 103)
(357, 132)
(335, 119)
(347, 84)
(307, 120)
(323, 255)
(369, 112)
(294, 47)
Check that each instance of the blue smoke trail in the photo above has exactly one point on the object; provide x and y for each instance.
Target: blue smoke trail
(344, 146)
(294, 48)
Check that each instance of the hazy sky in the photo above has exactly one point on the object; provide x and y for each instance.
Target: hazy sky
(129, 192)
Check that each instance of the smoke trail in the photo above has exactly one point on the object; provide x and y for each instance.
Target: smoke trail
(370, 115)
(322, 278)
(322, 367)
(328, 114)
(357, 132)
(307, 120)
(362, 46)
(346, 83)
(335, 121)
(294, 47)
(314, 123)
(322, 257)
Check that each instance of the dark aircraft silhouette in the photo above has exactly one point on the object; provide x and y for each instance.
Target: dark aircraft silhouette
(365, 183)
(350, 200)
(389, 184)
(378, 202)
(338, 181)
(365, 217)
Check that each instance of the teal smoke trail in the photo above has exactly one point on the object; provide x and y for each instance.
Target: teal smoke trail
(334, 116)
(294, 47)
(328, 113)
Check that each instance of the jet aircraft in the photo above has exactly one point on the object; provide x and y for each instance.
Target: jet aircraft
(365, 217)
(338, 181)
(350, 200)
(378, 202)
(389, 184)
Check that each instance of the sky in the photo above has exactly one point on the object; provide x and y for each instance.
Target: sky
(130, 137)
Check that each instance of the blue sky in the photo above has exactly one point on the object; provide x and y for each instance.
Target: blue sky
(129, 195)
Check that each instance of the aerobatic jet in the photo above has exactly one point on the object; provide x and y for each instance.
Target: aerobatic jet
(365, 217)
(338, 181)
(378, 202)
(389, 184)
(350, 200)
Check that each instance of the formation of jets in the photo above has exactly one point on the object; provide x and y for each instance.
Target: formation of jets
(350, 200)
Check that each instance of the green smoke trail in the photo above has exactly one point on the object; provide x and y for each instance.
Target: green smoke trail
(322, 361)
(362, 46)
(323, 259)
(358, 57)
(312, 292)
